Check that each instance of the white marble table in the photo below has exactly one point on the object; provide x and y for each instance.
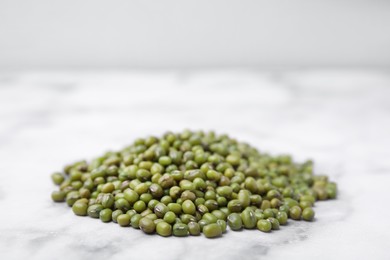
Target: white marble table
(341, 119)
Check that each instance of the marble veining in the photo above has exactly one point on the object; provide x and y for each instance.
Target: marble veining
(341, 119)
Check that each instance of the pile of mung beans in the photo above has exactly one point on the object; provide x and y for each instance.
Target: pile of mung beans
(190, 183)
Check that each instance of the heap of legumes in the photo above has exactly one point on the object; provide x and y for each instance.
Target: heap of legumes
(190, 183)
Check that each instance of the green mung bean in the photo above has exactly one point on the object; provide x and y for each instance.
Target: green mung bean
(192, 183)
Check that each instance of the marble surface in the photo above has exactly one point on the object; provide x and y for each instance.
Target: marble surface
(341, 119)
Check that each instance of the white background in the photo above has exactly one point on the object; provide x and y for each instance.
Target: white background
(193, 34)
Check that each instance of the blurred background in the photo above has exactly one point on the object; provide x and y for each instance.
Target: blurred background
(139, 34)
